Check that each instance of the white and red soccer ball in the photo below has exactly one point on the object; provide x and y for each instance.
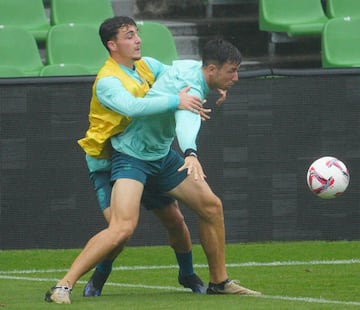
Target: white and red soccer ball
(328, 177)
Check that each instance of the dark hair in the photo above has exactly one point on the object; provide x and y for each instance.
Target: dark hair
(219, 52)
(110, 27)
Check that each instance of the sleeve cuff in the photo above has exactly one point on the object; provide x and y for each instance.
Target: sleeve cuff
(174, 101)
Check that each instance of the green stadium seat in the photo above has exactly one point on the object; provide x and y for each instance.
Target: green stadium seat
(157, 41)
(295, 17)
(77, 44)
(80, 11)
(290, 20)
(27, 14)
(18, 49)
(341, 43)
(342, 8)
(7, 71)
(64, 70)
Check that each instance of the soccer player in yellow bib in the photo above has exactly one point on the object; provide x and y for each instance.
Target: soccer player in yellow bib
(130, 79)
(142, 157)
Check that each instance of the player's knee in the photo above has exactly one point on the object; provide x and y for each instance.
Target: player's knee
(213, 209)
(177, 223)
(121, 233)
(172, 219)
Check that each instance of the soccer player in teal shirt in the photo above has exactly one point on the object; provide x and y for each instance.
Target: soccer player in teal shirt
(120, 100)
(143, 155)
(111, 90)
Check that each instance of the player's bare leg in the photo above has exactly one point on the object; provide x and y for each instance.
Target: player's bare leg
(197, 195)
(125, 208)
(180, 240)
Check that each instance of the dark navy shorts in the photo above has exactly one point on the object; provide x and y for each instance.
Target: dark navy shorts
(158, 175)
(153, 196)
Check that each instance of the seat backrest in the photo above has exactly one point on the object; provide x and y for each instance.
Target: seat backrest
(7, 71)
(18, 49)
(80, 11)
(341, 43)
(27, 14)
(278, 15)
(157, 41)
(342, 8)
(75, 44)
(64, 70)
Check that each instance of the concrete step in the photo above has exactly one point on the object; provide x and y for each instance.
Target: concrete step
(190, 36)
(188, 47)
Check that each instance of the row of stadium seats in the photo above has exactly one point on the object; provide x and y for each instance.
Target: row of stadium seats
(337, 25)
(73, 49)
(31, 15)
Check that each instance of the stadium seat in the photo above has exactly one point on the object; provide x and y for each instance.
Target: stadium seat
(77, 44)
(6, 71)
(157, 41)
(288, 21)
(64, 70)
(341, 43)
(27, 14)
(18, 49)
(342, 8)
(295, 17)
(80, 11)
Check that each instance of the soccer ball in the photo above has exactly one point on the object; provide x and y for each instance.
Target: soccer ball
(328, 177)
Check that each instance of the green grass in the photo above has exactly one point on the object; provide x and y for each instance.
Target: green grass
(291, 275)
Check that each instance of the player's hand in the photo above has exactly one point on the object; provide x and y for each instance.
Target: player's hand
(193, 167)
(222, 96)
(188, 102)
(204, 113)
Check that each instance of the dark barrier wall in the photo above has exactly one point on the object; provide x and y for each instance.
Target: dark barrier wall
(255, 151)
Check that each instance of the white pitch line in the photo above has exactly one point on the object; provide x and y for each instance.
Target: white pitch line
(167, 288)
(312, 300)
(233, 265)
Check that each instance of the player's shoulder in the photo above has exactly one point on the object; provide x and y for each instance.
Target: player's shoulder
(150, 61)
(184, 63)
(187, 68)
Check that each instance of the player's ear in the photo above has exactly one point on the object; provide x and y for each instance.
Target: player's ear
(211, 68)
(111, 45)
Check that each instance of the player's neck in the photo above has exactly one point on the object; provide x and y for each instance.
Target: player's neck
(124, 61)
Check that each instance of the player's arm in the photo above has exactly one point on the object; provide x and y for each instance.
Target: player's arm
(113, 95)
(158, 68)
(187, 129)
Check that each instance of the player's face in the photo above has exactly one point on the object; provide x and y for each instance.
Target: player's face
(127, 44)
(224, 77)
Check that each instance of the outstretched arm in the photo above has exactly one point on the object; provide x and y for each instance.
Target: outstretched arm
(113, 95)
(187, 129)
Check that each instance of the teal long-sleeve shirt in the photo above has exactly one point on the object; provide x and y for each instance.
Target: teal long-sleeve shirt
(112, 94)
(150, 137)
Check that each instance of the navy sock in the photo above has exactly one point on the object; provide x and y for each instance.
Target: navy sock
(185, 263)
(105, 266)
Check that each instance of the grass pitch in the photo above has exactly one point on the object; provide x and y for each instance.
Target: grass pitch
(291, 275)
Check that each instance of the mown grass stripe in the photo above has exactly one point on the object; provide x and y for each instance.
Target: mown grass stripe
(156, 287)
(232, 265)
